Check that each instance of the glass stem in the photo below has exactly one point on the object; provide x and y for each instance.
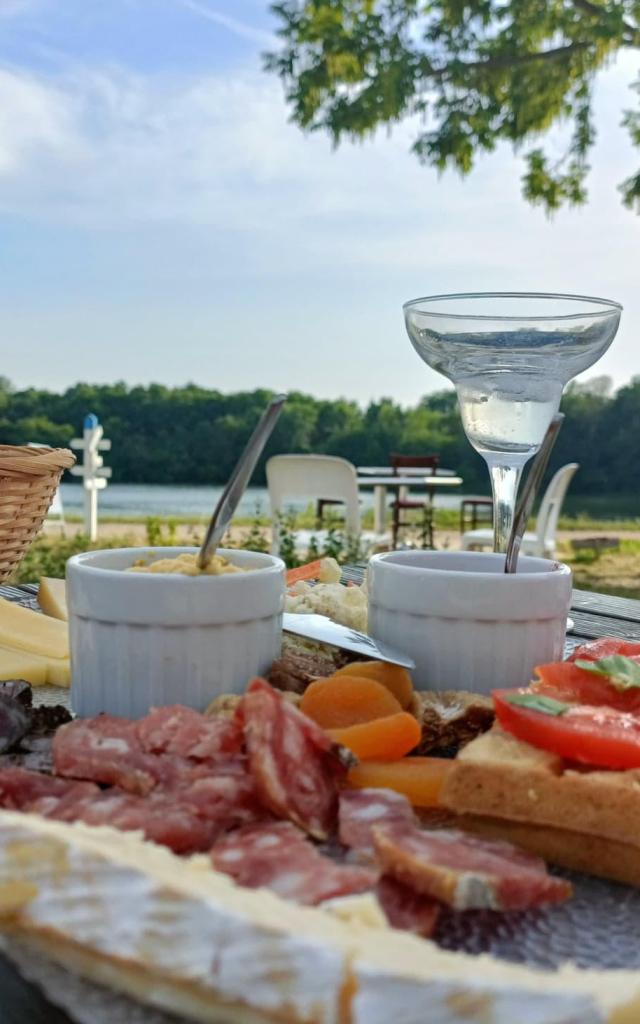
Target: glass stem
(504, 483)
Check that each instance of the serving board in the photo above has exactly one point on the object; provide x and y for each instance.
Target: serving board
(599, 927)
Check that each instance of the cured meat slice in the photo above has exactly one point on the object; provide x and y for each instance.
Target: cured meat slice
(407, 909)
(106, 749)
(226, 794)
(465, 871)
(20, 789)
(361, 810)
(182, 731)
(294, 763)
(160, 817)
(277, 856)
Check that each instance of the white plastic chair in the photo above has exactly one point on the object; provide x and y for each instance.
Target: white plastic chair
(542, 542)
(313, 477)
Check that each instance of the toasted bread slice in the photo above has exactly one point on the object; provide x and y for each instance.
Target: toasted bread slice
(498, 776)
(593, 855)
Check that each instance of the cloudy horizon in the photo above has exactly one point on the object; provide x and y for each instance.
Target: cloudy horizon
(161, 219)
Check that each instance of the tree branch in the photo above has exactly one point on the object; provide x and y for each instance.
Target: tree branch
(496, 63)
(595, 9)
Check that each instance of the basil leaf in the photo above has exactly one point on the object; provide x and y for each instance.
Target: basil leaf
(623, 673)
(538, 702)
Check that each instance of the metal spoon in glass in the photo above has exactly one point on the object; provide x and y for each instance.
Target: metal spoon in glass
(532, 483)
(230, 498)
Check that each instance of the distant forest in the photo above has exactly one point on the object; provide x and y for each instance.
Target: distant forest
(190, 435)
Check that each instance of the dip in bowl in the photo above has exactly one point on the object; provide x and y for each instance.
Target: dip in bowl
(147, 639)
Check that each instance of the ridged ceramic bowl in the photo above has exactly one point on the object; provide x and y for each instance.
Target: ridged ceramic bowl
(141, 640)
(467, 624)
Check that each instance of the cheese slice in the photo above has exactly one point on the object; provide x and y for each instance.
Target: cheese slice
(52, 597)
(22, 665)
(174, 933)
(34, 668)
(26, 630)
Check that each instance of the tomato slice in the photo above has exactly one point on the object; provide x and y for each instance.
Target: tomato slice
(604, 647)
(602, 737)
(565, 681)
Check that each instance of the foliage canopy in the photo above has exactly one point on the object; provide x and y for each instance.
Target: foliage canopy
(471, 73)
(191, 435)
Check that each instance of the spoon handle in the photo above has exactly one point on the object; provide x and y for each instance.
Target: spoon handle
(230, 498)
(529, 491)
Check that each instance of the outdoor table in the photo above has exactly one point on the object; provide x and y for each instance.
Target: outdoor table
(594, 615)
(406, 471)
(401, 484)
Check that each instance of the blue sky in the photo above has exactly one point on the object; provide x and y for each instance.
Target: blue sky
(160, 219)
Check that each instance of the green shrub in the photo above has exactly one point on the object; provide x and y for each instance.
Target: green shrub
(48, 556)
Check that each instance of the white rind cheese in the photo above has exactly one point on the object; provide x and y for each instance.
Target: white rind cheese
(174, 933)
(135, 903)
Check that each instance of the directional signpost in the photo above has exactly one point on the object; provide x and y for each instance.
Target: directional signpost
(92, 470)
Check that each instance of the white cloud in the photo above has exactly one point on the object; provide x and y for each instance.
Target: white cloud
(36, 120)
(239, 28)
(346, 234)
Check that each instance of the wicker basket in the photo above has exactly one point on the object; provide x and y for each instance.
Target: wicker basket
(29, 477)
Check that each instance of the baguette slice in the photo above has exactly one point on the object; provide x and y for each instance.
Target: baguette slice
(172, 933)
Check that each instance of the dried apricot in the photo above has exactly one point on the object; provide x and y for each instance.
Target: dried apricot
(384, 739)
(394, 677)
(420, 779)
(339, 702)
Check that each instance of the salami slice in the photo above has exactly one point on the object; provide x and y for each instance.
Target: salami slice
(362, 809)
(107, 750)
(277, 856)
(226, 793)
(465, 871)
(182, 731)
(294, 763)
(21, 788)
(407, 909)
(160, 817)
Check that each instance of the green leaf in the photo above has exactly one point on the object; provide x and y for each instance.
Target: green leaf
(623, 673)
(537, 702)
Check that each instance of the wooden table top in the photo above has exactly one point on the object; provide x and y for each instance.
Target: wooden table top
(594, 615)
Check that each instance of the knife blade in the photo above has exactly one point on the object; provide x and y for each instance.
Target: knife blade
(319, 627)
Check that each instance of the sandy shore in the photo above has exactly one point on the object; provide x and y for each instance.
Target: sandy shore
(136, 534)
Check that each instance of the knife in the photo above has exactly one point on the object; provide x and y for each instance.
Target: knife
(319, 627)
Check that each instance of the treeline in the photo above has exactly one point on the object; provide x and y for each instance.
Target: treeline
(190, 435)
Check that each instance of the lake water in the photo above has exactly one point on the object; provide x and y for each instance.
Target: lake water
(133, 500)
(141, 500)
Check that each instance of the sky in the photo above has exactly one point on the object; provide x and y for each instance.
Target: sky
(162, 220)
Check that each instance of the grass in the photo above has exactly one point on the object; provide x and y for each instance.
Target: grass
(610, 572)
(445, 519)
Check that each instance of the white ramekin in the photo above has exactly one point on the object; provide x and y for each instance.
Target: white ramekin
(141, 640)
(467, 624)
